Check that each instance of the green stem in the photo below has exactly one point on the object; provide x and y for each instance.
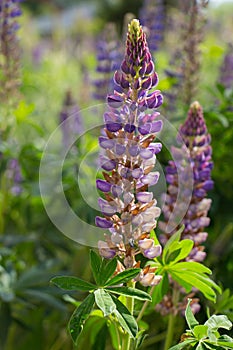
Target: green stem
(170, 332)
(126, 343)
(146, 303)
(171, 320)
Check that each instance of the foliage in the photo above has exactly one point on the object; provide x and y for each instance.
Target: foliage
(205, 336)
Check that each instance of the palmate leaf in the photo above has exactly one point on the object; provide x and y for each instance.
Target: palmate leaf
(124, 317)
(72, 283)
(131, 292)
(104, 302)
(123, 277)
(192, 266)
(80, 316)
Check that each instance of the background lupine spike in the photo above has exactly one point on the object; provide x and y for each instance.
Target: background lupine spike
(226, 70)
(70, 119)
(193, 134)
(9, 49)
(186, 59)
(152, 17)
(128, 159)
(109, 56)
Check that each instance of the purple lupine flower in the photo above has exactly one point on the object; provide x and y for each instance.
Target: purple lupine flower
(152, 18)
(14, 175)
(109, 57)
(129, 156)
(70, 119)
(226, 72)
(196, 138)
(185, 63)
(9, 48)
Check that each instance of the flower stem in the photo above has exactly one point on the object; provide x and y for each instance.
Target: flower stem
(140, 315)
(129, 303)
(170, 332)
(171, 320)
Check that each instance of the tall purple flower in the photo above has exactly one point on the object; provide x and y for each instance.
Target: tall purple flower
(109, 57)
(129, 155)
(14, 176)
(226, 72)
(195, 136)
(9, 48)
(152, 17)
(70, 119)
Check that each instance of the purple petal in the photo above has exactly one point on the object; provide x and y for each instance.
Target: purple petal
(103, 185)
(133, 151)
(144, 197)
(150, 179)
(107, 164)
(156, 126)
(120, 149)
(130, 128)
(136, 173)
(102, 222)
(113, 127)
(145, 153)
(153, 252)
(106, 143)
(114, 101)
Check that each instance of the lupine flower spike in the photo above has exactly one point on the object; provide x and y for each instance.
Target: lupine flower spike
(226, 72)
(129, 155)
(9, 48)
(109, 57)
(152, 17)
(74, 124)
(196, 138)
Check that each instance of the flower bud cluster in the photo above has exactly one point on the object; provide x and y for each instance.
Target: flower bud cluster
(196, 138)
(128, 159)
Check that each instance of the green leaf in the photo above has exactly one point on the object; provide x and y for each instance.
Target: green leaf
(183, 345)
(80, 316)
(191, 320)
(191, 266)
(72, 283)
(200, 331)
(225, 345)
(124, 317)
(178, 278)
(131, 292)
(154, 237)
(160, 290)
(113, 330)
(179, 251)
(108, 270)
(218, 321)
(175, 237)
(123, 277)
(96, 262)
(195, 280)
(100, 340)
(104, 302)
